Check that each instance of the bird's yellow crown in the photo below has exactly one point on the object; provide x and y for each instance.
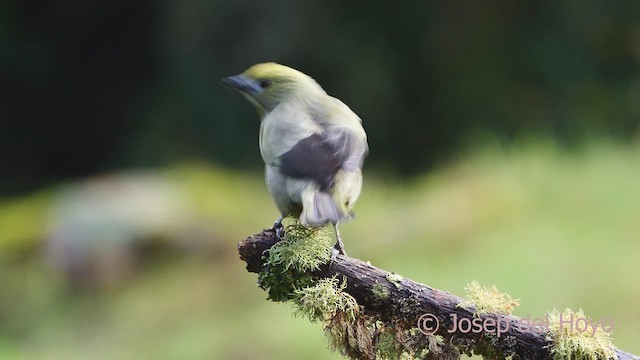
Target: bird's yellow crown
(268, 84)
(273, 71)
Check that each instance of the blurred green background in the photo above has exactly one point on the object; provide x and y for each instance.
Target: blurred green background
(505, 148)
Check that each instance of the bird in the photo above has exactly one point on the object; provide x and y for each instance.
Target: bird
(313, 146)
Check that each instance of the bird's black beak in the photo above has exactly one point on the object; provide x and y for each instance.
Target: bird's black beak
(240, 83)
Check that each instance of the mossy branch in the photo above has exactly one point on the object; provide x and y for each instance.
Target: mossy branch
(385, 321)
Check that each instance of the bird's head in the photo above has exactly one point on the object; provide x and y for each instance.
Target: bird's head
(268, 84)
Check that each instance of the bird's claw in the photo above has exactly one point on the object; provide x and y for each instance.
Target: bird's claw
(278, 228)
(279, 232)
(335, 251)
(334, 255)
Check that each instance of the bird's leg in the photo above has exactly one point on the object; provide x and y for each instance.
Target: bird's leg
(339, 245)
(278, 228)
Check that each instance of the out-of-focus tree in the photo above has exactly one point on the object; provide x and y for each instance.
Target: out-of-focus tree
(92, 86)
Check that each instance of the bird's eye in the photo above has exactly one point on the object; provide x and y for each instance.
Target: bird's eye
(265, 83)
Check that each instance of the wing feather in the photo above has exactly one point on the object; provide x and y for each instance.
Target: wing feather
(321, 155)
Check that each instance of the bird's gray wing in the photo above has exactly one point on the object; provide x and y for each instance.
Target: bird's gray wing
(321, 155)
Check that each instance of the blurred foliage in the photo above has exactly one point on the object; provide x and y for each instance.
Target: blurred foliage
(98, 85)
(23, 221)
(141, 264)
(554, 228)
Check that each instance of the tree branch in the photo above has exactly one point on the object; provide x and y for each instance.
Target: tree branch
(408, 300)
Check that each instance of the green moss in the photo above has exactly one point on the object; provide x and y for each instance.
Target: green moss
(399, 343)
(357, 335)
(303, 249)
(288, 264)
(322, 301)
(387, 347)
(287, 276)
(380, 292)
(487, 300)
(574, 336)
(347, 331)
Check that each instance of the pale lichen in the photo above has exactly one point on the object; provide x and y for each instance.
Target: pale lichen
(487, 300)
(287, 274)
(357, 335)
(380, 292)
(574, 336)
(326, 302)
(287, 265)
(302, 249)
(396, 342)
(395, 280)
(322, 301)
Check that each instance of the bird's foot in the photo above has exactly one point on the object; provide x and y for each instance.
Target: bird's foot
(334, 255)
(338, 249)
(278, 228)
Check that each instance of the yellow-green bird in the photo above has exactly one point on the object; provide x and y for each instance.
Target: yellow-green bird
(312, 144)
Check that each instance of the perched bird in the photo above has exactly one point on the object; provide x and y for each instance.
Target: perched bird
(312, 144)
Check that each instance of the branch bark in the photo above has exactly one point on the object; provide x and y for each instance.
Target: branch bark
(408, 300)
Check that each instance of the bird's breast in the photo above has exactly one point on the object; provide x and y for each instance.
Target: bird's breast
(281, 129)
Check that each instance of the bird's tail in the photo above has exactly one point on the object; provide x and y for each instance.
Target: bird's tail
(320, 207)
